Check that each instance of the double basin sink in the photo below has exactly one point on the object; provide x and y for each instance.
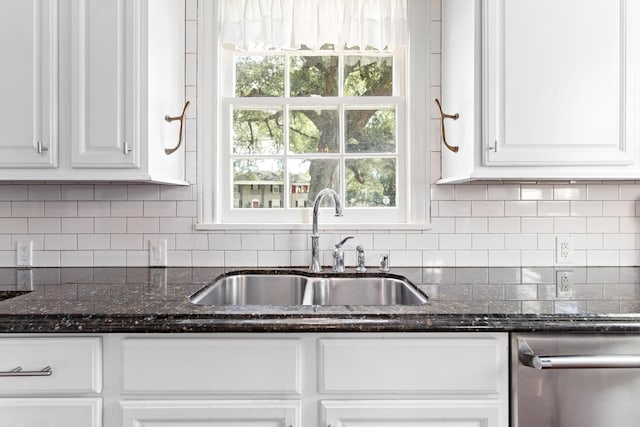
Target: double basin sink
(297, 288)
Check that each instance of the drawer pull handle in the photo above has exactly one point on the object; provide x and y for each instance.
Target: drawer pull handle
(443, 116)
(18, 372)
(181, 117)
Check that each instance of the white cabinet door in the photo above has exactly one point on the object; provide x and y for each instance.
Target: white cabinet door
(411, 413)
(103, 71)
(51, 412)
(220, 413)
(28, 87)
(561, 82)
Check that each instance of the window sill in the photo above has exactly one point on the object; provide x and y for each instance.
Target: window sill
(307, 227)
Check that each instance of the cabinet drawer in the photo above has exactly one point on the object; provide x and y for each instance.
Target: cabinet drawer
(70, 412)
(211, 365)
(449, 365)
(75, 365)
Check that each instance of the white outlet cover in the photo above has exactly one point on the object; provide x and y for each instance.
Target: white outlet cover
(158, 253)
(565, 247)
(24, 253)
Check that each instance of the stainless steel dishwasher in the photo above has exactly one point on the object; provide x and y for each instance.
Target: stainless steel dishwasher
(575, 380)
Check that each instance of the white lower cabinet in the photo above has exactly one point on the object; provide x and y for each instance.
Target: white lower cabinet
(211, 413)
(51, 412)
(51, 381)
(411, 413)
(310, 380)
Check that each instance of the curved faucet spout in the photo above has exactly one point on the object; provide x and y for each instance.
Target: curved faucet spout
(315, 251)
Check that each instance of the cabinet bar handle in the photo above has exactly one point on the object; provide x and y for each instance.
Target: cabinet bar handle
(40, 148)
(18, 372)
(125, 148)
(168, 151)
(583, 361)
(443, 116)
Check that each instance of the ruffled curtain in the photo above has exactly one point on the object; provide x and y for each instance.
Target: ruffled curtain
(289, 24)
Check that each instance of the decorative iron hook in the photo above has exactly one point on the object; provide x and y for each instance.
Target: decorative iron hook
(443, 116)
(181, 117)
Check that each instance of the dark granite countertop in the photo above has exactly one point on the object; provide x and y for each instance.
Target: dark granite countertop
(102, 300)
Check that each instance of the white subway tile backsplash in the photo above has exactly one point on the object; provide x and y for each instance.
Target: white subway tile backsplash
(67, 242)
(143, 225)
(603, 258)
(619, 208)
(603, 192)
(521, 241)
(455, 241)
(257, 242)
(110, 192)
(159, 208)
(629, 224)
(127, 209)
(389, 241)
(422, 242)
(569, 225)
(76, 225)
(43, 225)
(504, 225)
(94, 242)
(399, 259)
(587, 208)
(94, 209)
(274, 258)
(109, 258)
(570, 192)
(5, 209)
(470, 192)
(520, 208)
(442, 192)
(44, 192)
(110, 225)
(487, 241)
(536, 192)
(208, 258)
(454, 208)
(472, 259)
(241, 258)
(553, 208)
(630, 192)
(603, 225)
(438, 258)
(77, 192)
(61, 209)
(27, 209)
(537, 225)
(198, 242)
(619, 241)
(506, 258)
(126, 242)
(472, 225)
(487, 208)
(76, 259)
(13, 192)
(503, 192)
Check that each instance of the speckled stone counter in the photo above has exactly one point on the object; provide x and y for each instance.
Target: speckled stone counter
(102, 300)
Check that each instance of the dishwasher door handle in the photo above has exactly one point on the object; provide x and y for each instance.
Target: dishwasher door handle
(587, 361)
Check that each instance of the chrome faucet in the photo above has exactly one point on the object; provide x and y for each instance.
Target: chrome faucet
(315, 250)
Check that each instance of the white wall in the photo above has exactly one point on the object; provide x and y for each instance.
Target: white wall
(486, 224)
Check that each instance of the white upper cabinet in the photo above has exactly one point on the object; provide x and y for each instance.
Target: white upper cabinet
(544, 89)
(121, 72)
(28, 87)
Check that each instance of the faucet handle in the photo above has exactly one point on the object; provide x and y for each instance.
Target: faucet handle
(342, 242)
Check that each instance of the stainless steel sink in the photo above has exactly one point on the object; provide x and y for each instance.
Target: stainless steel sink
(293, 288)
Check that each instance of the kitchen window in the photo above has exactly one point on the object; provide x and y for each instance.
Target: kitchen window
(284, 114)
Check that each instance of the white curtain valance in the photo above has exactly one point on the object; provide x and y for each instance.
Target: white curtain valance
(289, 24)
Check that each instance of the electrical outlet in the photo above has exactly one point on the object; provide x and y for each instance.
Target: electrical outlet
(564, 249)
(564, 284)
(158, 253)
(24, 254)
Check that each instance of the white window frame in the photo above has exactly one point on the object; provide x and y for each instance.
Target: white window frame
(414, 167)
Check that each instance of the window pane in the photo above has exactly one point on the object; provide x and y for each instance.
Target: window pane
(258, 183)
(257, 132)
(313, 131)
(371, 131)
(308, 176)
(371, 182)
(259, 76)
(368, 76)
(314, 76)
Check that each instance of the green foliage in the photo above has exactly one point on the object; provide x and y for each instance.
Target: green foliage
(371, 181)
